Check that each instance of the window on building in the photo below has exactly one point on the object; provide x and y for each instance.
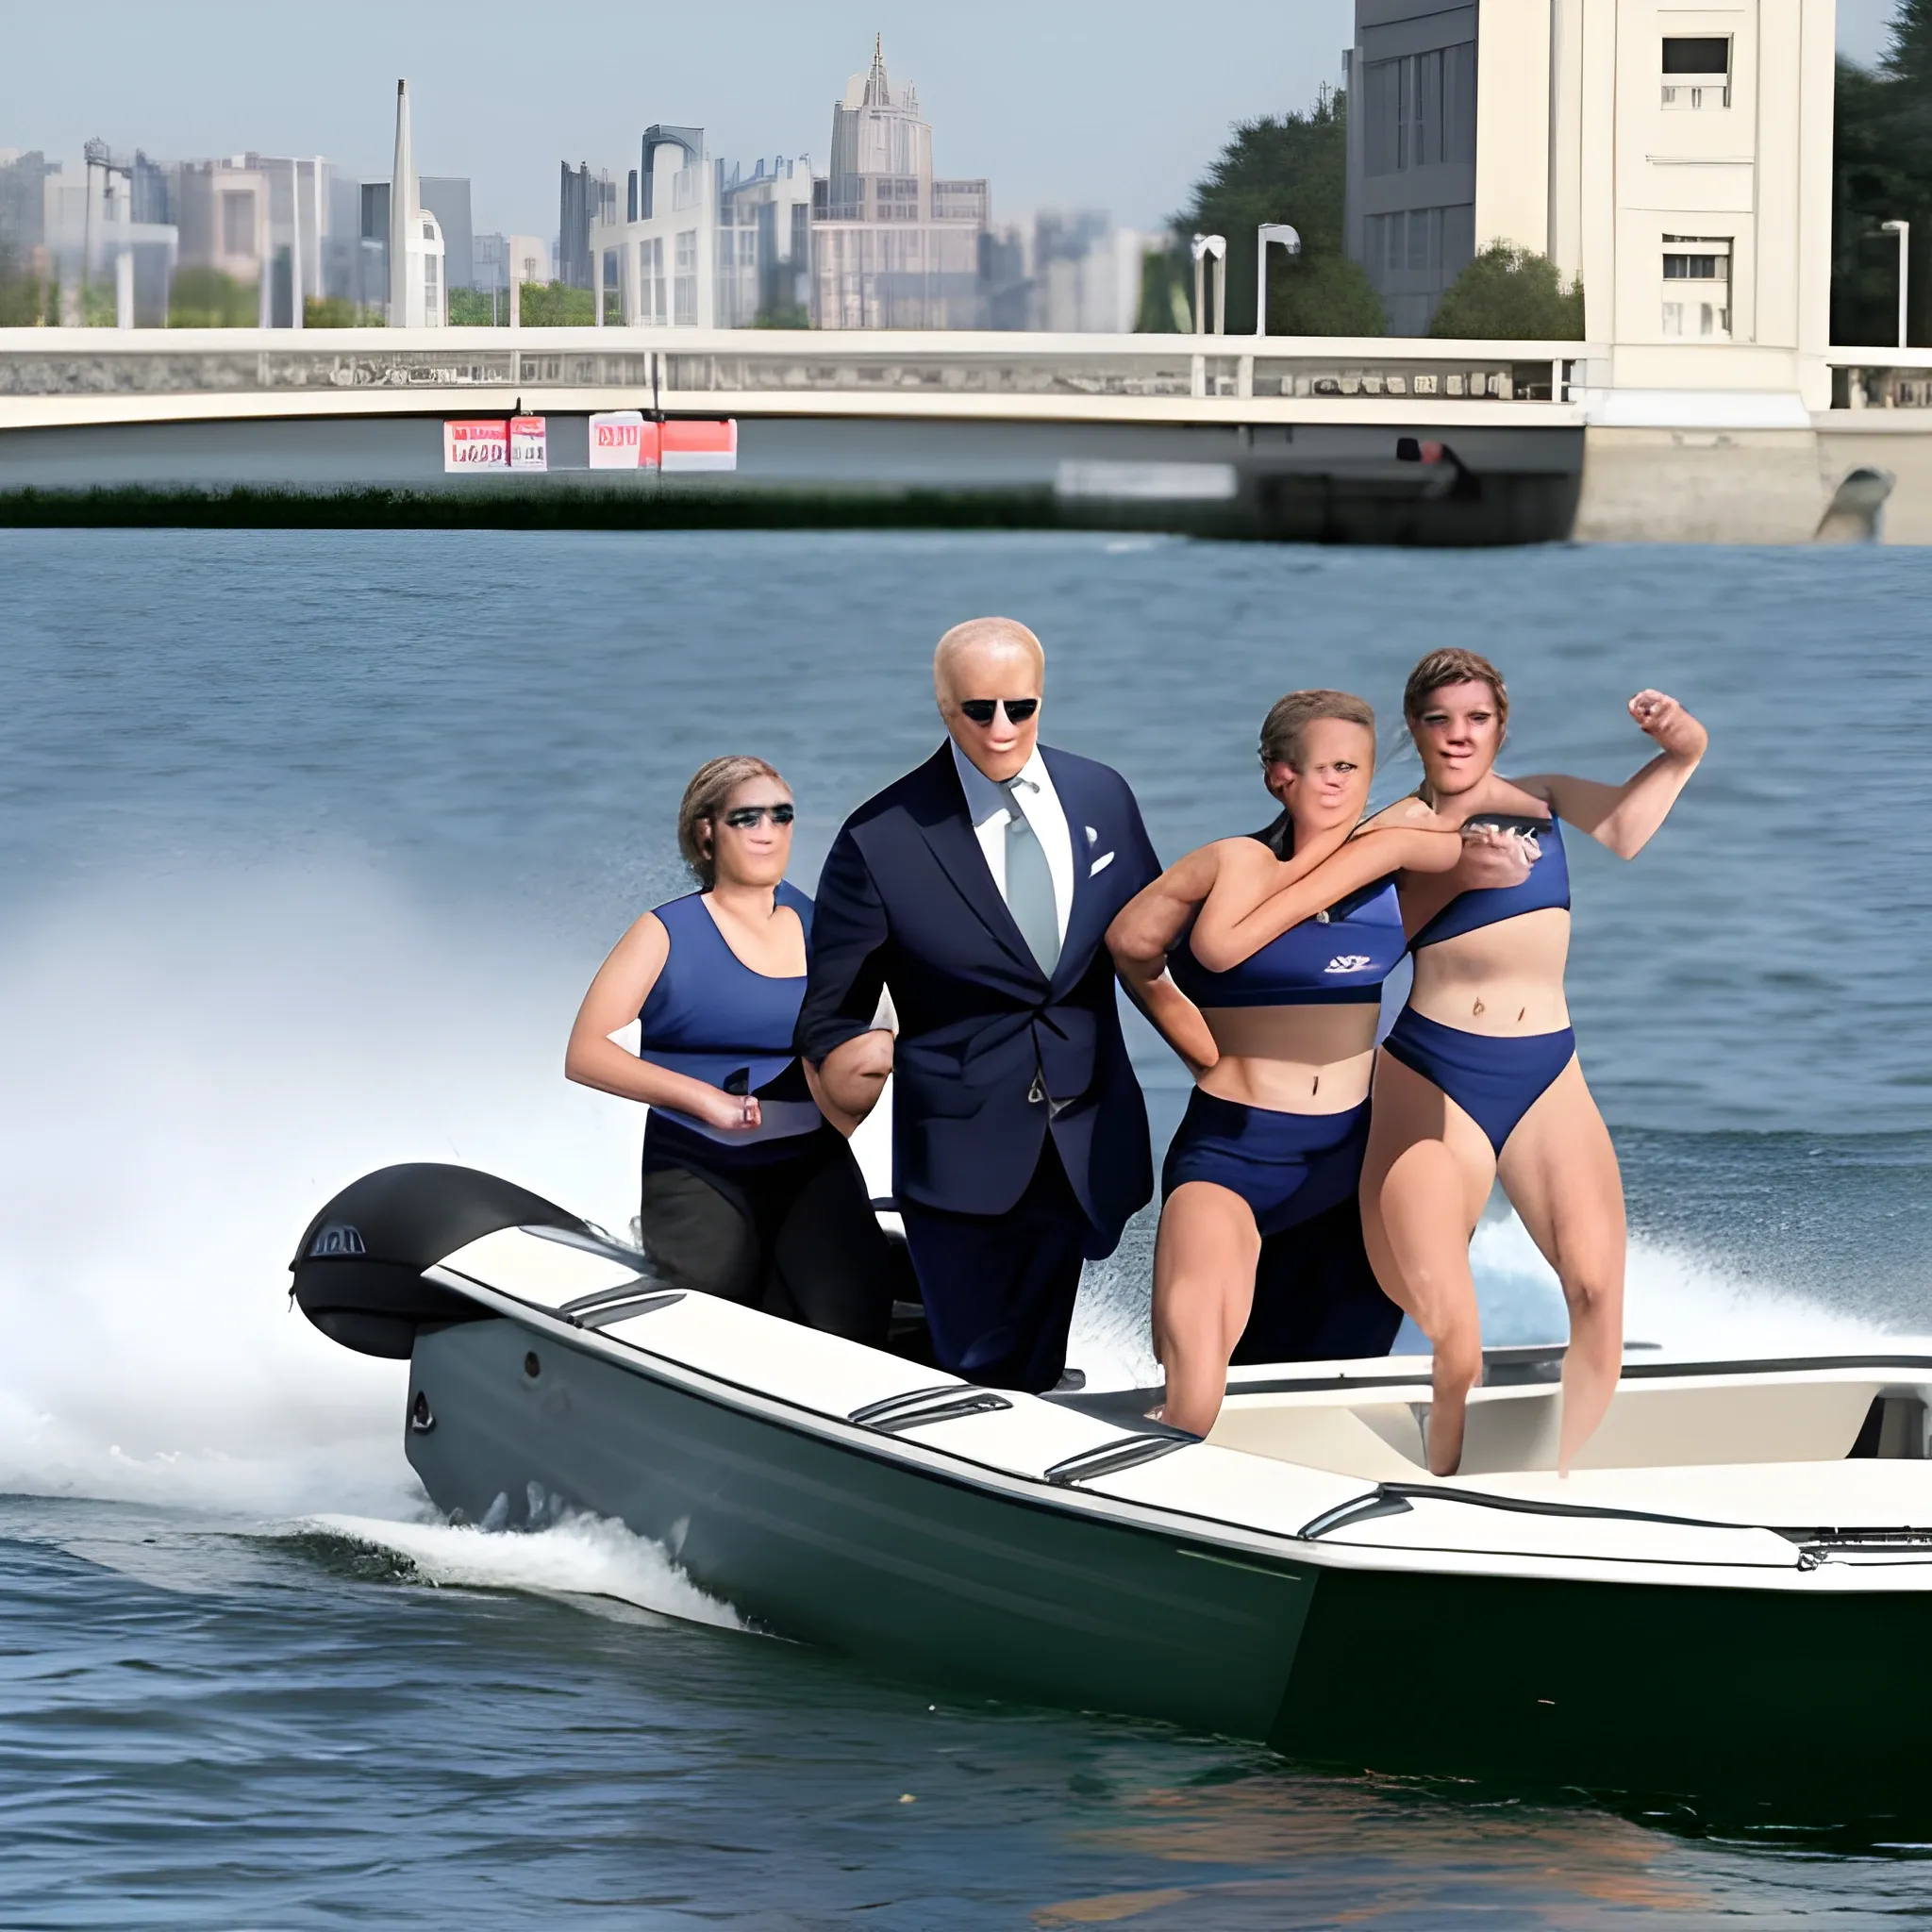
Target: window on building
(432, 308)
(1420, 109)
(684, 285)
(1697, 71)
(1697, 288)
(238, 221)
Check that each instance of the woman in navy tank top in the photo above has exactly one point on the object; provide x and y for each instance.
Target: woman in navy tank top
(749, 1192)
(1478, 1079)
(1276, 1018)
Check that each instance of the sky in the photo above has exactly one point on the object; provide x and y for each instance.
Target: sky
(1109, 104)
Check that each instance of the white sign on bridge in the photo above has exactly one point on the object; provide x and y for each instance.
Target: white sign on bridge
(469, 448)
(622, 439)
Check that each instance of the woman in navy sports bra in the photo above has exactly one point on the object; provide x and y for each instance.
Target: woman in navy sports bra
(1280, 1032)
(1486, 1030)
(749, 1191)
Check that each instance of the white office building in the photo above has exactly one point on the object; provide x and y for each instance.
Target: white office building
(704, 246)
(1677, 158)
(895, 246)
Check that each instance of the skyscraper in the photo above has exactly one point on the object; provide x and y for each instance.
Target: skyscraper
(417, 290)
(893, 245)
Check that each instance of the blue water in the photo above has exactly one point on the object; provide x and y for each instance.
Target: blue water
(308, 843)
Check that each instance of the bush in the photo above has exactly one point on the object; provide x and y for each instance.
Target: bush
(555, 305)
(206, 298)
(784, 316)
(479, 307)
(337, 312)
(1509, 293)
(26, 300)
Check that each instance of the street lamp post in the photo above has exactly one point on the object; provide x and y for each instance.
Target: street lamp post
(1204, 246)
(1903, 230)
(1270, 231)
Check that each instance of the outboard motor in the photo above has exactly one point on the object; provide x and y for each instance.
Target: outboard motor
(359, 1269)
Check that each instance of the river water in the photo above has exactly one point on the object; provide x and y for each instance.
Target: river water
(308, 843)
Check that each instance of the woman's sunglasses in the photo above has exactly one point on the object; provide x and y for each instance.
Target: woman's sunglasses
(981, 709)
(746, 816)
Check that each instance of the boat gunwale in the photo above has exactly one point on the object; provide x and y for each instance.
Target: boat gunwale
(1291, 1550)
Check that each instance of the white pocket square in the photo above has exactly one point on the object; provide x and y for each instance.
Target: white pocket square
(1100, 864)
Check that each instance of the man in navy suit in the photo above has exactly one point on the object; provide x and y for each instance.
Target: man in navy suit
(978, 890)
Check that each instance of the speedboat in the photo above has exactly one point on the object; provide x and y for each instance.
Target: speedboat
(1734, 1585)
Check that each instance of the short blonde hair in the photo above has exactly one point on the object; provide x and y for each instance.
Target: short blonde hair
(985, 630)
(712, 784)
(1289, 717)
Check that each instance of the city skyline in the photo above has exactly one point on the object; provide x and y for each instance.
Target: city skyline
(1035, 101)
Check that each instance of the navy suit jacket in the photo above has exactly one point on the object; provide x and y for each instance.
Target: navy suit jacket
(906, 901)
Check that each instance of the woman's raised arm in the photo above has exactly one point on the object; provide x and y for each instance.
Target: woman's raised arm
(1233, 926)
(1625, 817)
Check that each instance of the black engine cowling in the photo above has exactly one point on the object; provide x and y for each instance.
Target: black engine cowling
(358, 1269)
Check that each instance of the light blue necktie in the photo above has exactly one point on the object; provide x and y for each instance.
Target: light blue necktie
(1029, 886)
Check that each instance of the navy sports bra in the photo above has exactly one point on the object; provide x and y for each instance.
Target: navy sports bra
(711, 1016)
(1339, 958)
(1547, 884)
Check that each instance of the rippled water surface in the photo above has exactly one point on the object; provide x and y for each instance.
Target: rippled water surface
(308, 843)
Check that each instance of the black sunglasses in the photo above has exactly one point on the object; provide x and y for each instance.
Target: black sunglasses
(746, 816)
(981, 709)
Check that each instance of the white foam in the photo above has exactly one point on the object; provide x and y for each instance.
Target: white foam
(1686, 1304)
(578, 1556)
(210, 1059)
(210, 1055)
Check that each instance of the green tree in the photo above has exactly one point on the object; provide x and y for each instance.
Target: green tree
(479, 307)
(1509, 293)
(337, 312)
(26, 300)
(554, 305)
(1882, 171)
(206, 298)
(1288, 168)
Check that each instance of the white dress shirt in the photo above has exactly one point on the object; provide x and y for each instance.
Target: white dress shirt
(989, 805)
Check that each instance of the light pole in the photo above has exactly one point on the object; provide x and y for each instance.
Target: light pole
(1215, 246)
(1903, 230)
(1270, 231)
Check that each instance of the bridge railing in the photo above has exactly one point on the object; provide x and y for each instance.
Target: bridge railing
(689, 369)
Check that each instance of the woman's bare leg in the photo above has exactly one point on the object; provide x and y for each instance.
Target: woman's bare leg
(1425, 1180)
(1204, 1287)
(1559, 1171)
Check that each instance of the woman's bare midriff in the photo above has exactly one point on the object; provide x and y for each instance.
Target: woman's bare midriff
(1505, 979)
(1292, 1059)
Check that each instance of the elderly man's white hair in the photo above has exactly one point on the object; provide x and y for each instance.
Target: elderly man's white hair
(1006, 632)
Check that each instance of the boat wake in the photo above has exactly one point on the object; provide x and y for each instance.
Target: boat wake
(585, 1560)
(157, 1174)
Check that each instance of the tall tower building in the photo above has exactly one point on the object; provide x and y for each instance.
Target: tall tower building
(418, 297)
(895, 246)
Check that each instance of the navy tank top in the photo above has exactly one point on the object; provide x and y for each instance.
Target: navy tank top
(712, 1017)
(1339, 958)
(1547, 884)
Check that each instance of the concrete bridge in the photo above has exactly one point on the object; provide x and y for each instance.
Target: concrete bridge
(1378, 439)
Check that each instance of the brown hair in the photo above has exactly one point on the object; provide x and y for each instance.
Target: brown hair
(712, 784)
(1453, 666)
(1289, 717)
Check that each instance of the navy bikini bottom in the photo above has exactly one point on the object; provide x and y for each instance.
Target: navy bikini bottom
(1493, 1079)
(1288, 1167)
